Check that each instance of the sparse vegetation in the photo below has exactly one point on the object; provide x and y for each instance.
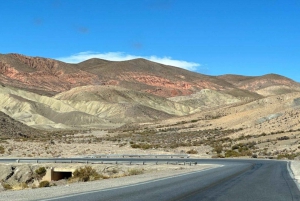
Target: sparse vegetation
(86, 173)
(288, 156)
(6, 186)
(43, 184)
(231, 153)
(2, 150)
(41, 171)
(192, 151)
(135, 171)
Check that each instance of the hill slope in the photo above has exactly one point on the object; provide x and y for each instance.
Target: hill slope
(49, 94)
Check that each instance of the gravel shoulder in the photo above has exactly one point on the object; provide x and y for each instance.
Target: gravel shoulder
(55, 191)
(295, 167)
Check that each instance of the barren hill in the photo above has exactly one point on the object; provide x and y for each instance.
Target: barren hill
(49, 94)
(48, 76)
(266, 85)
(45, 76)
(155, 105)
(10, 128)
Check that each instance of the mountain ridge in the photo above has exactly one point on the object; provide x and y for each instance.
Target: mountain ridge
(49, 94)
(49, 76)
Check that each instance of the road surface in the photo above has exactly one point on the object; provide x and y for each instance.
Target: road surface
(235, 180)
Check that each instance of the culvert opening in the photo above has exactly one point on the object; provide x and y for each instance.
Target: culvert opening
(61, 175)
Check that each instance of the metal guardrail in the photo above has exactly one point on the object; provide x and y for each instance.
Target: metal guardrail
(109, 161)
(137, 156)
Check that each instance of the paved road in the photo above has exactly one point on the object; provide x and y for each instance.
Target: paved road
(236, 180)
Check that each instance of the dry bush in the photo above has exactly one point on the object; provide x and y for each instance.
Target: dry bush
(6, 186)
(135, 172)
(44, 184)
(2, 150)
(192, 151)
(41, 171)
(86, 173)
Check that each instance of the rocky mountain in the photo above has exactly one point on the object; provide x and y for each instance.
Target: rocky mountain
(265, 85)
(49, 94)
(41, 75)
(48, 76)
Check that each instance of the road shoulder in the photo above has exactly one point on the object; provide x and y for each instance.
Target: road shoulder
(295, 167)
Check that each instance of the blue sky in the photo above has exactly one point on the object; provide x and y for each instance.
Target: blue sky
(247, 37)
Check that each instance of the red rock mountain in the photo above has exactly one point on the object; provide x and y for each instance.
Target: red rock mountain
(49, 77)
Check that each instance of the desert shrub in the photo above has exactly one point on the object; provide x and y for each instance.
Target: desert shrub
(288, 156)
(218, 149)
(220, 156)
(23, 185)
(44, 184)
(231, 153)
(86, 173)
(2, 150)
(6, 186)
(135, 146)
(192, 151)
(283, 138)
(135, 171)
(41, 171)
(115, 171)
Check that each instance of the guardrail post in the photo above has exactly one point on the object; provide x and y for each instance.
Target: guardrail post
(167, 162)
(18, 160)
(71, 161)
(156, 162)
(87, 162)
(143, 162)
(37, 161)
(190, 163)
(130, 162)
(116, 162)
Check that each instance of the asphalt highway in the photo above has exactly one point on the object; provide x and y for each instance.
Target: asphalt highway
(235, 180)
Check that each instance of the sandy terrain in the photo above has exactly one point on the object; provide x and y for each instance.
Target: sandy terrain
(59, 148)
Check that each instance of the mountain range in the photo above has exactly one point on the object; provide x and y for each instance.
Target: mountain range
(48, 94)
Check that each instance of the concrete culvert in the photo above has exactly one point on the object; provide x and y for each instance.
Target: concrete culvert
(55, 174)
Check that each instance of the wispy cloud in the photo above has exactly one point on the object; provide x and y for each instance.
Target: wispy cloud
(121, 56)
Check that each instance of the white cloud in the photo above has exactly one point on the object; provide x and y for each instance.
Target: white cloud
(120, 56)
